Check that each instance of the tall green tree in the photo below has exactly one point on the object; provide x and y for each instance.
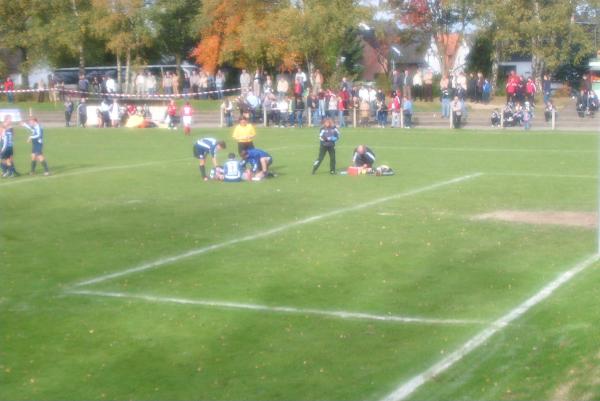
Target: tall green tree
(122, 24)
(22, 29)
(545, 29)
(174, 27)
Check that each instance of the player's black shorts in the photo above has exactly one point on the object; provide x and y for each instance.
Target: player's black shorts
(8, 152)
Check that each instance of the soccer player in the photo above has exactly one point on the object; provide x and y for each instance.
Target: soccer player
(232, 170)
(259, 161)
(244, 134)
(37, 144)
(205, 146)
(363, 157)
(328, 137)
(6, 151)
(186, 117)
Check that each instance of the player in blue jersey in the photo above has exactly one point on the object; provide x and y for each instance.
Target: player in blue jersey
(6, 151)
(204, 147)
(37, 144)
(259, 161)
(232, 170)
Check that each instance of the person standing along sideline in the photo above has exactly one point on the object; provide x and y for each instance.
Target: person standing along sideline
(205, 146)
(186, 118)
(328, 136)
(220, 83)
(69, 107)
(244, 134)
(457, 108)
(172, 114)
(6, 151)
(9, 86)
(37, 143)
(445, 95)
(82, 112)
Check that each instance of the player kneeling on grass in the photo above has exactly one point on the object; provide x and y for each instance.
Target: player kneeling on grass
(232, 170)
(363, 157)
(259, 161)
(37, 143)
(209, 146)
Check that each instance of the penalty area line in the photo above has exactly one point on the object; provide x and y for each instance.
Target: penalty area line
(278, 309)
(261, 234)
(406, 389)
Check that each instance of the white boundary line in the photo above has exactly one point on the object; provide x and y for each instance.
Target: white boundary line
(541, 175)
(491, 150)
(261, 234)
(14, 181)
(279, 309)
(409, 387)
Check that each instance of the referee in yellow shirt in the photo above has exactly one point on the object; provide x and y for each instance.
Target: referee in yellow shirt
(244, 134)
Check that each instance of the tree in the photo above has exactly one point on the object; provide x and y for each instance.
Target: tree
(174, 27)
(544, 29)
(122, 23)
(21, 29)
(443, 21)
(277, 34)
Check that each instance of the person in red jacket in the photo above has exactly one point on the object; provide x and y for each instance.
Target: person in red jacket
(172, 114)
(9, 85)
(530, 89)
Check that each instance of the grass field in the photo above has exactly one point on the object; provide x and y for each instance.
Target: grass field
(123, 276)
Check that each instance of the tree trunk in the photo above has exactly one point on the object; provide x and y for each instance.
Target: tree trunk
(537, 62)
(81, 51)
(178, 66)
(119, 71)
(127, 69)
(495, 61)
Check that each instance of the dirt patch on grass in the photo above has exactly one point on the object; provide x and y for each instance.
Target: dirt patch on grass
(568, 219)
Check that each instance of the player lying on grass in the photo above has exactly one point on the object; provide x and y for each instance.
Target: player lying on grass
(363, 157)
(230, 172)
(37, 143)
(259, 161)
(209, 146)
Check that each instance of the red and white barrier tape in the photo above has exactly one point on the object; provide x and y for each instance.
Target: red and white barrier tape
(120, 95)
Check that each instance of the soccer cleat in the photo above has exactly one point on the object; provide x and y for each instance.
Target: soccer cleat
(205, 179)
(46, 173)
(332, 172)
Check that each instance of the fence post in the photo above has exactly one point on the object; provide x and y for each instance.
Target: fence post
(553, 119)
(502, 119)
(221, 115)
(451, 117)
(309, 117)
(401, 118)
(265, 116)
(354, 117)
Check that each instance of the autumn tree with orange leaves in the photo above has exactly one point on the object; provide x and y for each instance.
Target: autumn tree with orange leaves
(274, 35)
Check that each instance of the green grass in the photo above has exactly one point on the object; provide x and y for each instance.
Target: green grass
(121, 198)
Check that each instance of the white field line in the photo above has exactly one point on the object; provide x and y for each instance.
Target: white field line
(491, 150)
(261, 234)
(279, 309)
(14, 181)
(542, 175)
(406, 389)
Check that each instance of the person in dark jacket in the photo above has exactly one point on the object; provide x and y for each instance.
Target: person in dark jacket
(328, 137)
